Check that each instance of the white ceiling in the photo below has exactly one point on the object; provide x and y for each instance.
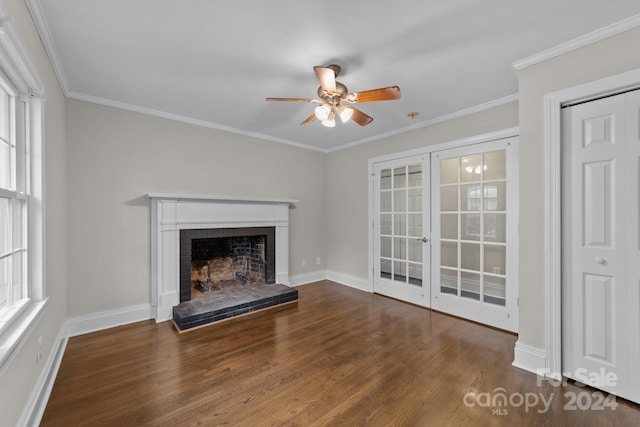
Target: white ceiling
(214, 62)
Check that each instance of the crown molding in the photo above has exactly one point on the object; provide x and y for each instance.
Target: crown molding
(37, 13)
(184, 119)
(170, 116)
(35, 9)
(455, 115)
(16, 62)
(585, 40)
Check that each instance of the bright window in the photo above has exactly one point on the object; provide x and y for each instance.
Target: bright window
(22, 292)
(13, 201)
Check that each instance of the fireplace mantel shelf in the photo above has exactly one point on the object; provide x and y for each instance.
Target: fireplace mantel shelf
(227, 199)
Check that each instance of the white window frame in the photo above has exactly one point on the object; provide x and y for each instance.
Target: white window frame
(18, 321)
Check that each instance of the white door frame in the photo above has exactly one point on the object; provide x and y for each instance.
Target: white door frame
(553, 225)
(426, 150)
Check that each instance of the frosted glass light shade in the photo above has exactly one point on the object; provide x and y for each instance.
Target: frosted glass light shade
(345, 113)
(322, 112)
(330, 121)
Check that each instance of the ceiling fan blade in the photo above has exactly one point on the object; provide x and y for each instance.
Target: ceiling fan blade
(360, 118)
(291, 99)
(382, 94)
(309, 119)
(327, 78)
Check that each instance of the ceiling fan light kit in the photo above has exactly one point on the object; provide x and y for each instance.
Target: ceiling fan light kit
(330, 122)
(345, 113)
(322, 112)
(334, 99)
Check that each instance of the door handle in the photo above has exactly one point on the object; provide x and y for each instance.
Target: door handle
(600, 261)
(423, 239)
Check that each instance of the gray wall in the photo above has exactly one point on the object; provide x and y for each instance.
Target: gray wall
(19, 380)
(115, 157)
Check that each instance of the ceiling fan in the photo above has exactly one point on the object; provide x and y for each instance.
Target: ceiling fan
(335, 100)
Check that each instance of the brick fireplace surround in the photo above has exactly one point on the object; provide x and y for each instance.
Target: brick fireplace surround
(228, 246)
(171, 213)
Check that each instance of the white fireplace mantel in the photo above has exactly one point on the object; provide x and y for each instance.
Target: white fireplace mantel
(171, 213)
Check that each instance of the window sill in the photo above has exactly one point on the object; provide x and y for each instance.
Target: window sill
(15, 330)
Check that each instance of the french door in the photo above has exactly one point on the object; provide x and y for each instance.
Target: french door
(474, 233)
(445, 231)
(401, 225)
(601, 244)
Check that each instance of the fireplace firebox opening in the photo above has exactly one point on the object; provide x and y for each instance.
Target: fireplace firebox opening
(211, 258)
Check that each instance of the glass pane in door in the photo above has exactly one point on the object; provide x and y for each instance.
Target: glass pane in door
(473, 202)
(400, 219)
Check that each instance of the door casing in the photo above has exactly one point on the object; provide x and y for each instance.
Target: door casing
(553, 103)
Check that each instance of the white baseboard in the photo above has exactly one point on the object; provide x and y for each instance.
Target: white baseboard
(529, 358)
(108, 319)
(37, 403)
(351, 281)
(162, 314)
(304, 278)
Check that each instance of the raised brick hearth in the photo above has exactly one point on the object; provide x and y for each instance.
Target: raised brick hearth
(227, 272)
(230, 299)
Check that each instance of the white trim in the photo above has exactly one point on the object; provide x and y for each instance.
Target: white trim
(37, 208)
(197, 122)
(169, 196)
(18, 329)
(35, 9)
(371, 214)
(455, 115)
(37, 403)
(304, 278)
(552, 234)
(18, 68)
(463, 142)
(552, 244)
(171, 214)
(350, 281)
(184, 119)
(108, 319)
(45, 34)
(585, 40)
(21, 70)
(529, 358)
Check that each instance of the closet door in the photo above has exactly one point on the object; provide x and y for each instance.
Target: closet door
(601, 244)
(474, 238)
(401, 223)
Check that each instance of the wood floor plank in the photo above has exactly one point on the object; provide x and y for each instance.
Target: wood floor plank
(340, 357)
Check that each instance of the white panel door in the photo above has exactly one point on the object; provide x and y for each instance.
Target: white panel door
(401, 223)
(601, 327)
(474, 233)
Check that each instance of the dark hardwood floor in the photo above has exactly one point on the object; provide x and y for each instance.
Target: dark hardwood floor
(341, 357)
